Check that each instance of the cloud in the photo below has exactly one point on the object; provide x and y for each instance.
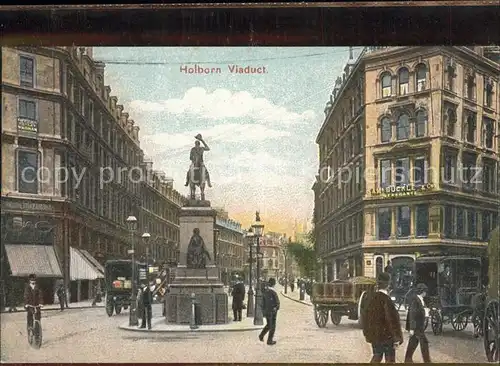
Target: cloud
(176, 142)
(224, 104)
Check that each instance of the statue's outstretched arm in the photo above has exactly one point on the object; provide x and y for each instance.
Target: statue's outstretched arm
(205, 146)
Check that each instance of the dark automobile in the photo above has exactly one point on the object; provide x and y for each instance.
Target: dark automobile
(118, 281)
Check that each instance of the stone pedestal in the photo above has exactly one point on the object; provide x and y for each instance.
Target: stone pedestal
(204, 283)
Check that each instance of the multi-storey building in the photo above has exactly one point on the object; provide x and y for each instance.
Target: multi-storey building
(71, 170)
(408, 158)
(273, 260)
(230, 246)
(160, 205)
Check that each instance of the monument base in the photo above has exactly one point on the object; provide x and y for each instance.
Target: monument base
(209, 294)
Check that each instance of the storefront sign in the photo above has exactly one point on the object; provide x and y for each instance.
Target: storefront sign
(26, 206)
(402, 191)
(27, 125)
(27, 230)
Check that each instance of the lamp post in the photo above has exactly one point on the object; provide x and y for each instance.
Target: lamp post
(284, 248)
(250, 303)
(145, 238)
(258, 229)
(132, 222)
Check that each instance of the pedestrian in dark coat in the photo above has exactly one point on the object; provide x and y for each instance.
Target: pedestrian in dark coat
(147, 301)
(415, 324)
(238, 294)
(381, 324)
(61, 295)
(270, 307)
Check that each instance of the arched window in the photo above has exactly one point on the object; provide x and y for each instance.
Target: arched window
(385, 129)
(471, 129)
(470, 87)
(420, 76)
(404, 78)
(403, 127)
(386, 81)
(488, 93)
(488, 133)
(421, 123)
(451, 122)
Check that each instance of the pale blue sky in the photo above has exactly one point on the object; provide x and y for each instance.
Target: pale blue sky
(261, 128)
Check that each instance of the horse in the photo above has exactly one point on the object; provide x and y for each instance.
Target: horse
(195, 178)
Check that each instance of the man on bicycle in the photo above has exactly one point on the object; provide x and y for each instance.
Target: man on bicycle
(32, 299)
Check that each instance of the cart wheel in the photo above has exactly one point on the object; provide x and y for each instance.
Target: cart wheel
(478, 325)
(109, 308)
(321, 317)
(459, 322)
(490, 330)
(436, 322)
(118, 309)
(336, 317)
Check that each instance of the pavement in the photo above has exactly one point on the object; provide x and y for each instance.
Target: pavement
(90, 336)
(52, 307)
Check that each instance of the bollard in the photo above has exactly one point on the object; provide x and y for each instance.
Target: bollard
(192, 324)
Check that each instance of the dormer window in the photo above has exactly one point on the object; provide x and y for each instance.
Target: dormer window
(404, 78)
(386, 81)
(421, 76)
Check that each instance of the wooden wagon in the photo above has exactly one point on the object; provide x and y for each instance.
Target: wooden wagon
(340, 298)
(491, 321)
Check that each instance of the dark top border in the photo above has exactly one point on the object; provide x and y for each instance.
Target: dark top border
(292, 26)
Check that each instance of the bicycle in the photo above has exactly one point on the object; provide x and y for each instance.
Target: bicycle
(35, 332)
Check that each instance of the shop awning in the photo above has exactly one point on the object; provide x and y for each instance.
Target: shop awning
(40, 260)
(81, 268)
(93, 261)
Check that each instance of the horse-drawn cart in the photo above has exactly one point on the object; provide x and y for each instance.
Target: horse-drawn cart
(340, 298)
(491, 321)
(453, 282)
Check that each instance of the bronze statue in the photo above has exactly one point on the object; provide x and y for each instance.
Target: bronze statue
(197, 252)
(198, 174)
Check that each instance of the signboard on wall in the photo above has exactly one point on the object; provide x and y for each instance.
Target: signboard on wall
(27, 125)
(404, 190)
(19, 229)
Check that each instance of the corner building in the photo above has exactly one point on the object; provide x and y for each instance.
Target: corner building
(60, 119)
(408, 158)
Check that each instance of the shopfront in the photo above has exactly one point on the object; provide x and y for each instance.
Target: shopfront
(28, 246)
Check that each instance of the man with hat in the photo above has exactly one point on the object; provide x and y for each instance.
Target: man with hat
(32, 299)
(381, 323)
(415, 324)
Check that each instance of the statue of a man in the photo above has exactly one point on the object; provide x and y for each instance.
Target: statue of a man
(196, 157)
(197, 252)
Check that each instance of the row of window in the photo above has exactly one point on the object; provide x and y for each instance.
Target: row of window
(108, 201)
(404, 126)
(468, 130)
(470, 86)
(404, 228)
(421, 76)
(343, 233)
(461, 223)
(403, 81)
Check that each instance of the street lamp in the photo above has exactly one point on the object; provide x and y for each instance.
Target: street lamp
(250, 303)
(132, 222)
(258, 229)
(284, 248)
(145, 238)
